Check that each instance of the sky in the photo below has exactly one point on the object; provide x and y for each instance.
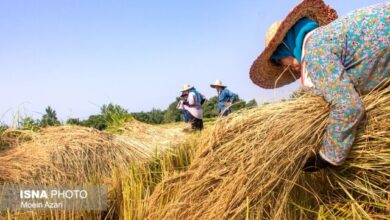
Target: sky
(76, 55)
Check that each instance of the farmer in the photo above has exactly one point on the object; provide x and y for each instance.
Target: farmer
(180, 106)
(192, 103)
(339, 59)
(225, 98)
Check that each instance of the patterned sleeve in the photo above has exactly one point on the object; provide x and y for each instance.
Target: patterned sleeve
(329, 77)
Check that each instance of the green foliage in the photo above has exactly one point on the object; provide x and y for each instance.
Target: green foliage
(29, 123)
(156, 116)
(114, 115)
(111, 116)
(49, 118)
(172, 114)
(239, 104)
(210, 107)
(3, 127)
(95, 121)
(73, 121)
(251, 104)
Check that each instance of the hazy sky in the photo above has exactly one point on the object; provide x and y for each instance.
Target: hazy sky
(76, 55)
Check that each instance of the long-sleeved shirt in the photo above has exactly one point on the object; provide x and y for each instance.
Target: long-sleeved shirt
(224, 97)
(193, 106)
(345, 59)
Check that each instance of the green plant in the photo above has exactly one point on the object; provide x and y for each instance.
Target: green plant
(156, 116)
(29, 123)
(111, 116)
(251, 104)
(172, 114)
(210, 109)
(95, 121)
(114, 115)
(49, 118)
(73, 121)
(3, 127)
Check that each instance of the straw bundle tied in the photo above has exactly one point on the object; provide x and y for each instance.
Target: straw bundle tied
(250, 164)
(73, 154)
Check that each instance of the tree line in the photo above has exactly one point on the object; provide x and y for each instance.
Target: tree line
(112, 115)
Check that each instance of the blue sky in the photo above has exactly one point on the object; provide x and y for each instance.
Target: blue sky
(76, 55)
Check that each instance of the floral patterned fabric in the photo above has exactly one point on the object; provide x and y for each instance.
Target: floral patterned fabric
(345, 59)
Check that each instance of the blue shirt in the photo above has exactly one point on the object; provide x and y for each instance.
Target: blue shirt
(224, 97)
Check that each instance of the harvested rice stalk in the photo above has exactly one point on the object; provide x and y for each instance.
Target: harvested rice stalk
(250, 166)
(73, 154)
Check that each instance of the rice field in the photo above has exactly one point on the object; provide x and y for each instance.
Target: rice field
(244, 166)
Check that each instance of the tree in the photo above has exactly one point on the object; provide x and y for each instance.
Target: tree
(114, 115)
(210, 107)
(95, 121)
(251, 104)
(172, 114)
(29, 123)
(141, 116)
(239, 104)
(156, 116)
(49, 118)
(111, 115)
(73, 121)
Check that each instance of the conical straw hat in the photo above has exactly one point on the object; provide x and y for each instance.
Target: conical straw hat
(217, 83)
(186, 87)
(266, 73)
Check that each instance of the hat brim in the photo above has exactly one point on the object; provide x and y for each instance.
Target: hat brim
(215, 86)
(266, 73)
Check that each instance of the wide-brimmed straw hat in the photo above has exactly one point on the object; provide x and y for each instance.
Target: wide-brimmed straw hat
(217, 83)
(268, 74)
(186, 87)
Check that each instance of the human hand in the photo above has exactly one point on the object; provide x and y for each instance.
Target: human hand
(315, 163)
(228, 104)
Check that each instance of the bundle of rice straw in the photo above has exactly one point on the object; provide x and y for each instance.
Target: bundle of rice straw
(68, 154)
(154, 136)
(249, 166)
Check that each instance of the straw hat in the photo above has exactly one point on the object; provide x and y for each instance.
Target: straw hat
(269, 75)
(186, 87)
(217, 83)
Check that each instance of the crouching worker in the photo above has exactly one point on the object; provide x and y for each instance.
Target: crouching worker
(180, 106)
(339, 59)
(192, 104)
(225, 98)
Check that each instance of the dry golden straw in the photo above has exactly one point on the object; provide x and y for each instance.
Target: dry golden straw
(249, 166)
(73, 154)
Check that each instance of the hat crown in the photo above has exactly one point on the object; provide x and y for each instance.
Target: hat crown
(186, 87)
(272, 30)
(218, 82)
